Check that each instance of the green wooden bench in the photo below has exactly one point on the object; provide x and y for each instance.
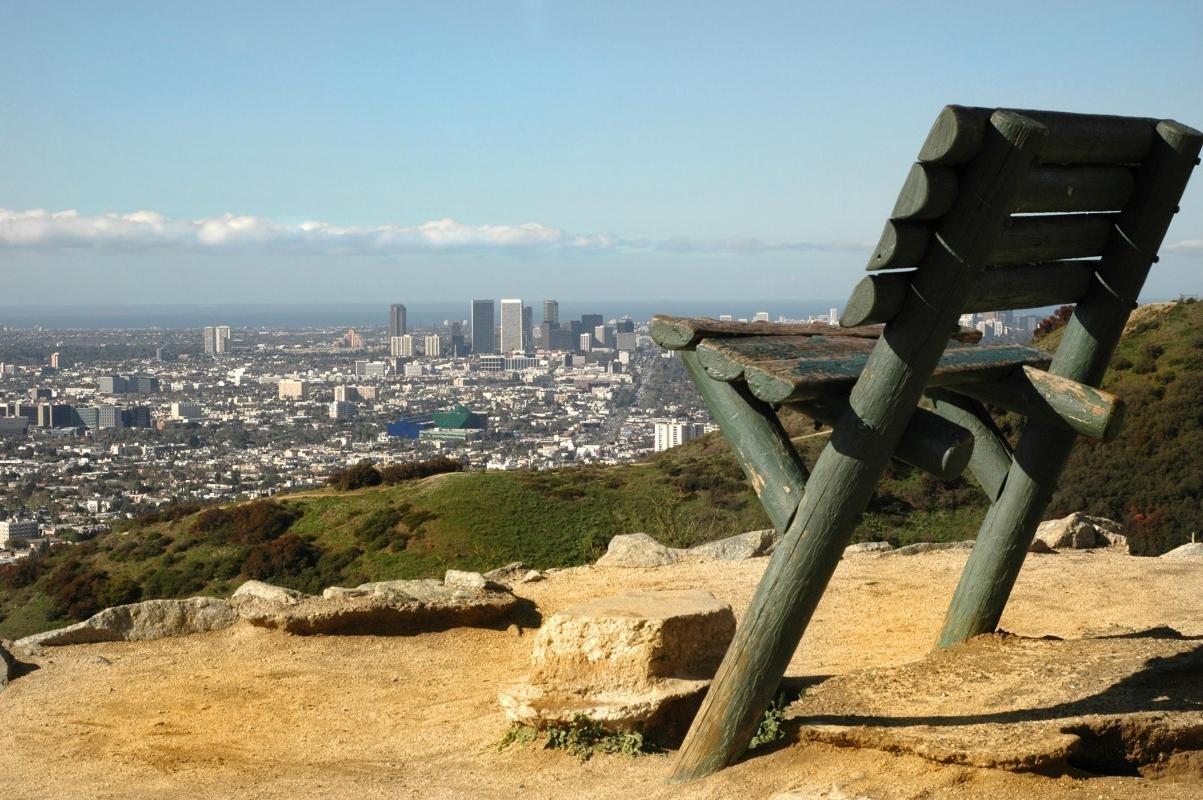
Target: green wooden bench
(1004, 209)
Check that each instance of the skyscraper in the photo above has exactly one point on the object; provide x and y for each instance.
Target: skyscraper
(396, 320)
(551, 311)
(221, 339)
(210, 339)
(433, 349)
(482, 327)
(528, 317)
(511, 326)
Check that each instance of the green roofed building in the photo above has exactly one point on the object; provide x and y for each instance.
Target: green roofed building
(458, 424)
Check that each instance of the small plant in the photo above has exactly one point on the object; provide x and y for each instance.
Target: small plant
(582, 737)
(771, 726)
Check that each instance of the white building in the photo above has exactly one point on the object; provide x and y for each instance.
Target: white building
(221, 339)
(761, 316)
(671, 434)
(185, 411)
(293, 389)
(369, 369)
(586, 343)
(340, 409)
(401, 346)
(511, 326)
(415, 370)
(432, 346)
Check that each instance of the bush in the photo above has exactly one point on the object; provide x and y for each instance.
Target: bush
(22, 573)
(396, 473)
(248, 524)
(359, 476)
(285, 557)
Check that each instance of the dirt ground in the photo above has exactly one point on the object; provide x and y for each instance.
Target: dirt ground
(253, 713)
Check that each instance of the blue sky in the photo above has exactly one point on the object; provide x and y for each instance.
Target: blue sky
(359, 151)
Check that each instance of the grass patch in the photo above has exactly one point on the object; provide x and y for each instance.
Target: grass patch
(582, 738)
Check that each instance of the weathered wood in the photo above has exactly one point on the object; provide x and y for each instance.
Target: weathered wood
(902, 244)
(1053, 400)
(680, 333)
(763, 448)
(847, 471)
(991, 458)
(1072, 138)
(1086, 348)
(803, 374)
(1052, 237)
(877, 298)
(1083, 188)
(927, 193)
(726, 359)
(930, 442)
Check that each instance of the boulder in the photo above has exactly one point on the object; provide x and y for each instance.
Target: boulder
(470, 581)
(1079, 531)
(638, 550)
(136, 622)
(386, 608)
(1039, 546)
(531, 576)
(928, 547)
(1188, 550)
(258, 590)
(641, 550)
(735, 548)
(635, 661)
(8, 664)
(867, 547)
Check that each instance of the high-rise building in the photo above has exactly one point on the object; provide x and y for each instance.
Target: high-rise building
(399, 346)
(551, 312)
(671, 434)
(56, 361)
(210, 338)
(111, 384)
(369, 369)
(432, 346)
(586, 343)
(761, 316)
(221, 339)
(293, 389)
(482, 327)
(341, 409)
(396, 320)
(625, 325)
(528, 321)
(626, 341)
(511, 326)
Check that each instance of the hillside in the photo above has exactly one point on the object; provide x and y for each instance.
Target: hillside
(1151, 478)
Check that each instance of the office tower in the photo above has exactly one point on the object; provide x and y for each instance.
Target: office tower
(56, 361)
(432, 347)
(761, 316)
(482, 327)
(340, 409)
(141, 383)
(586, 342)
(551, 312)
(528, 318)
(625, 325)
(511, 326)
(396, 320)
(221, 339)
(40, 393)
(185, 411)
(210, 338)
(626, 341)
(111, 384)
(136, 417)
(591, 321)
(401, 346)
(293, 389)
(369, 369)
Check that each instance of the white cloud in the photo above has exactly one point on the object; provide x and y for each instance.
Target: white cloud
(1189, 246)
(140, 230)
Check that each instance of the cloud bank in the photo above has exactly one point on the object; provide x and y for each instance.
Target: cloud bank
(148, 230)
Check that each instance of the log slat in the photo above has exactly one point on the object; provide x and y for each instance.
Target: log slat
(1084, 188)
(902, 244)
(877, 298)
(681, 333)
(1052, 237)
(927, 193)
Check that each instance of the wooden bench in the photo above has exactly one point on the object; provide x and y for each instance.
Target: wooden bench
(1004, 209)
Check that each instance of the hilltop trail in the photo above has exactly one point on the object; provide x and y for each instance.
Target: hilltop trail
(247, 712)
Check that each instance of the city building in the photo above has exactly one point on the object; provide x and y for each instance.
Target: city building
(209, 336)
(432, 347)
(671, 434)
(626, 341)
(13, 426)
(341, 409)
(18, 532)
(221, 339)
(586, 342)
(482, 327)
(185, 411)
(528, 317)
(551, 312)
(415, 370)
(56, 361)
(293, 389)
(761, 316)
(369, 369)
(111, 384)
(401, 346)
(511, 326)
(351, 340)
(396, 320)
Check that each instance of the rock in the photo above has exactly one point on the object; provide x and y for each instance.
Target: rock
(1039, 546)
(471, 581)
(8, 664)
(508, 573)
(1188, 550)
(1079, 531)
(867, 547)
(735, 548)
(151, 619)
(386, 608)
(532, 576)
(639, 660)
(641, 550)
(638, 550)
(258, 590)
(928, 547)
